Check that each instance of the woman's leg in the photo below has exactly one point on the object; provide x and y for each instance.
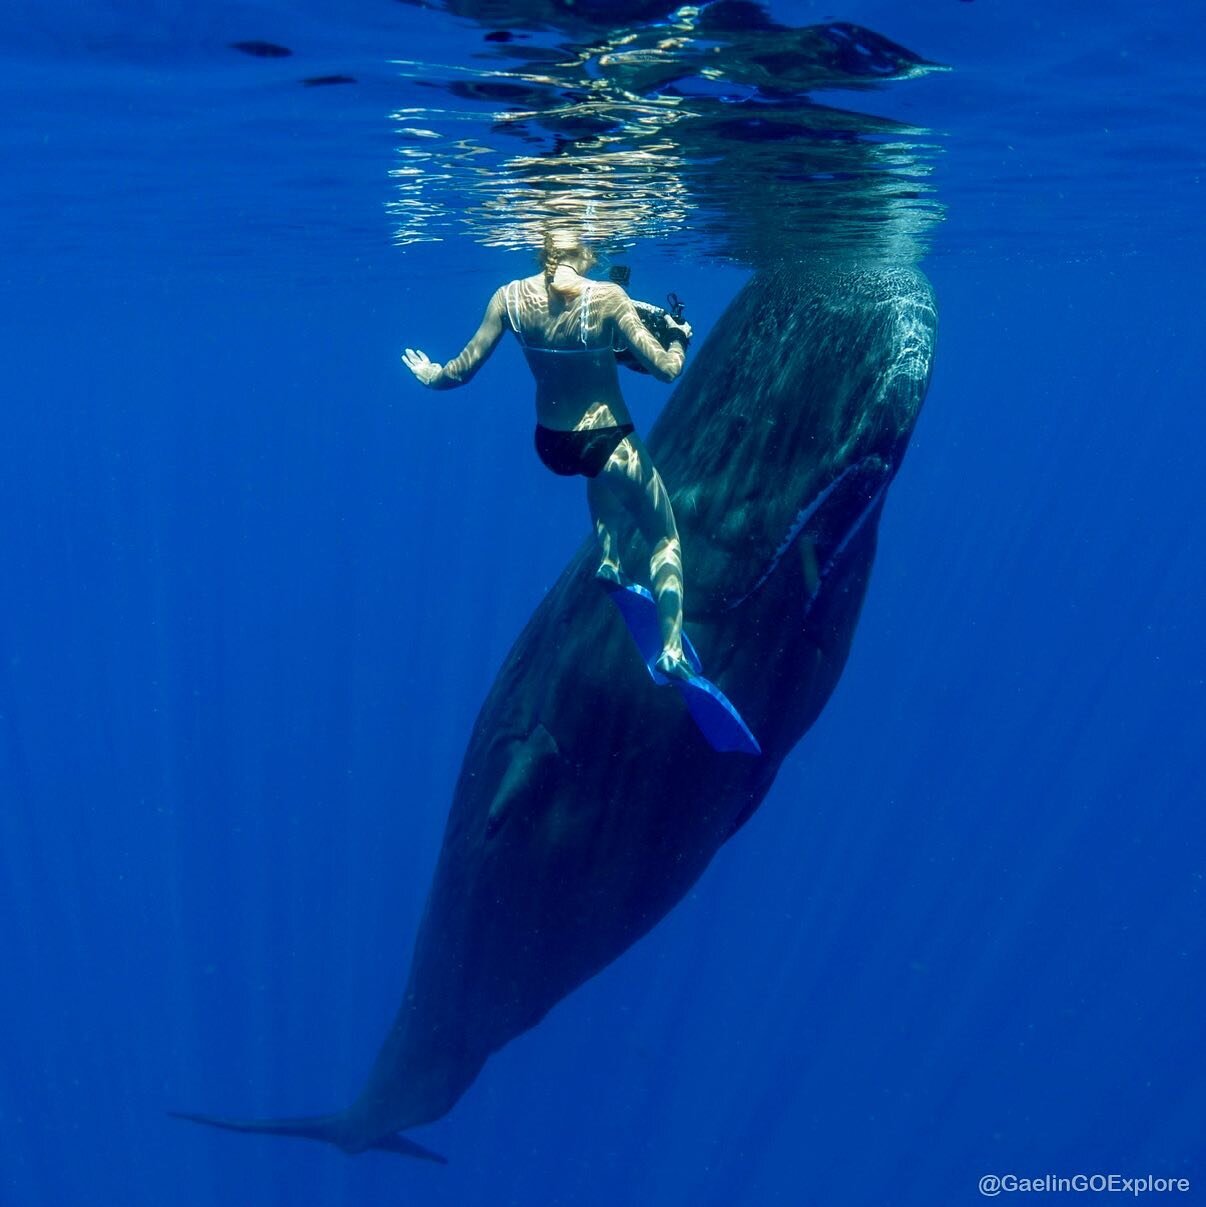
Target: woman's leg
(630, 483)
(607, 512)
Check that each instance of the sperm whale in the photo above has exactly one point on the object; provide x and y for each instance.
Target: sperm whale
(587, 803)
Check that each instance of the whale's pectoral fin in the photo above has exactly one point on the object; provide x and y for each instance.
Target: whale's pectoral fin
(531, 760)
(330, 1129)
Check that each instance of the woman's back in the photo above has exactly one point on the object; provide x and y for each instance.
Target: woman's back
(567, 339)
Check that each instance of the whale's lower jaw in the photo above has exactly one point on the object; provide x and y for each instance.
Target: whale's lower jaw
(874, 470)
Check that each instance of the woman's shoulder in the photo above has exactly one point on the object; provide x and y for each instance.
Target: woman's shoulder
(607, 292)
(614, 302)
(521, 288)
(516, 293)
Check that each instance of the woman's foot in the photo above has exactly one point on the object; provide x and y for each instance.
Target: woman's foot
(674, 665)
(609, 574)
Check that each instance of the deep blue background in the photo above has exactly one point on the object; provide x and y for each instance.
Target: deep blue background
(256, 584)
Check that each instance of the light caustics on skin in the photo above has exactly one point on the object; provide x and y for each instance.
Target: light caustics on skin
(684, 127)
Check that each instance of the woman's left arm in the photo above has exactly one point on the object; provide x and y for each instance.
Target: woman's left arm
(476, 352)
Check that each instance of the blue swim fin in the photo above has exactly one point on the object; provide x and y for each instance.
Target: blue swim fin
(717, 719)
(639, 610)
(713, 713)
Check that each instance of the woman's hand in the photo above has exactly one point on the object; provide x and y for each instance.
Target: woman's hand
(680, 331)
(426, 370)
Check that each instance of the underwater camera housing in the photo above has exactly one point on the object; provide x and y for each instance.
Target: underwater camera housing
(654, 317)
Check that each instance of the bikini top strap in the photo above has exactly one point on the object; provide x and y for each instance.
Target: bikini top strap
(584, 315)
(510, 296)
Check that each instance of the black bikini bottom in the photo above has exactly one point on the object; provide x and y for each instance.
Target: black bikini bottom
(584, 452)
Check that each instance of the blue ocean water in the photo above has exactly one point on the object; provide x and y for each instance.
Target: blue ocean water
(257, 583)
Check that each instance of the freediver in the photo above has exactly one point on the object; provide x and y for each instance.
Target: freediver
(570, 328)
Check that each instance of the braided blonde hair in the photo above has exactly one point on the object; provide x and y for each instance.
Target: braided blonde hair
(564, 247)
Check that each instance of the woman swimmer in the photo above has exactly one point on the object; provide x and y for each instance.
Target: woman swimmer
(569, 327)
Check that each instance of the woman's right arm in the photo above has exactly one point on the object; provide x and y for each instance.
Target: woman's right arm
(475, 353)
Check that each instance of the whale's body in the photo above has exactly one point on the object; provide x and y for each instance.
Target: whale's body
(588, 804)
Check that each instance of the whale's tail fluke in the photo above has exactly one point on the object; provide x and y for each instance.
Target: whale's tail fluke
(331, 1129)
